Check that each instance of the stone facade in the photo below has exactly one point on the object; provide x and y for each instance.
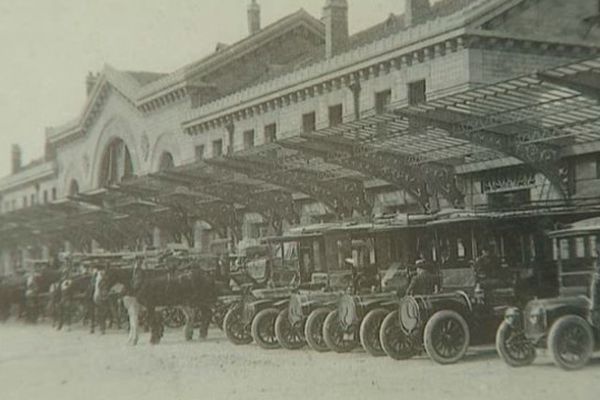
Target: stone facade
(300, 65)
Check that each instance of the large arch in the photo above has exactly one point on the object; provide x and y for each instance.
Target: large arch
(166, 143)
(115, 165)
(116, 130)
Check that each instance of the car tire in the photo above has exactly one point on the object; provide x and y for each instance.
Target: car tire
(289, 337)
(313, 330)
(263, 329)
(369, 332)
(334, 335)
(571, 342)
(446, 337)
(513, 347)
(394, 342)
(235, 330)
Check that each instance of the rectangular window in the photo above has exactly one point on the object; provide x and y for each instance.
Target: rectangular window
(217, 148)
(199, 151)
(45, 196)
(33, 200)
(24, 201)
(336, 115)
(579, 247)
(382, 101)
(53, 193)
(270, 133)
(417, 92)
(309, 122)
(564, 248)
(249, 139)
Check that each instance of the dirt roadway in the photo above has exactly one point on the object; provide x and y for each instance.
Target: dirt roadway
(40, 363)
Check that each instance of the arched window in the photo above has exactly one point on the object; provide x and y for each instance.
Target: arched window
(73, 188)
(116, 163)
(166, 161)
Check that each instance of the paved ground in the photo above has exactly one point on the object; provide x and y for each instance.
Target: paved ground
(37, 362)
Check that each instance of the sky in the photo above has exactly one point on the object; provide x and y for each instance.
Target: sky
(47, 48)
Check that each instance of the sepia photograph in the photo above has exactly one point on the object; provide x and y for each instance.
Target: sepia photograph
(299, 199)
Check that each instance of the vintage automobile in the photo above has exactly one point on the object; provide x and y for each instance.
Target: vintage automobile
(356, 314)
(302, 321)
(263, 295)
(567, 325)
(447, 323)
(352, 252)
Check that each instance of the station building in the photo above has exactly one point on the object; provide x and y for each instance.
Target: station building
(452, 106)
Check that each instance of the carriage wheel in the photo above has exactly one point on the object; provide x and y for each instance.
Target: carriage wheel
(369, 332)
(394, 342)
(290, 336)
(263, 329)
(571, 342)
(235, 330)
(313, 330)
(446, 337)
(513, 347)
(335, 337)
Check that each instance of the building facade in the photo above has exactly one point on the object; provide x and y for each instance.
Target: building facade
(302, 75)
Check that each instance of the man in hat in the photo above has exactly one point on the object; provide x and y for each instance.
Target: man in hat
(425, 281)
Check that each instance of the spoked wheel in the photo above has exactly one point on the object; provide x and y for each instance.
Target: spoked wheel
(369, 332)
(513, 347)
(263, 329)
(335, 337)
(289, 336)
(446, 337)
(313, 330)
(394, 342)
(173, 317)
(235, 330)
(571, 342)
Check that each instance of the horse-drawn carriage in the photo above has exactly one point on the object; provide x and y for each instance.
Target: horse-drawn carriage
(567, 325)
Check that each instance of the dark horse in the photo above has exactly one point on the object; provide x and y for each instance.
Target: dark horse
(71, 296)
(37, 289)
(190, 290)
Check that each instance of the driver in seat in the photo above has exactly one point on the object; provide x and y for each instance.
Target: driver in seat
(425, 281)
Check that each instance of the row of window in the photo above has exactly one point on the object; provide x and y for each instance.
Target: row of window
(416, 95)
(29, 201)
(577, 247)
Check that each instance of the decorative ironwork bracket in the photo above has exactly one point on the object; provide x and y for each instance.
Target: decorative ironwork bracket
(542, 157)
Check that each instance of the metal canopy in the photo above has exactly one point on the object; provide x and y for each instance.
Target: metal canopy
(532, 119)
(338, 188)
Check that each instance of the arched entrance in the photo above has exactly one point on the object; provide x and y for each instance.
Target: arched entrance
(116, 164)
